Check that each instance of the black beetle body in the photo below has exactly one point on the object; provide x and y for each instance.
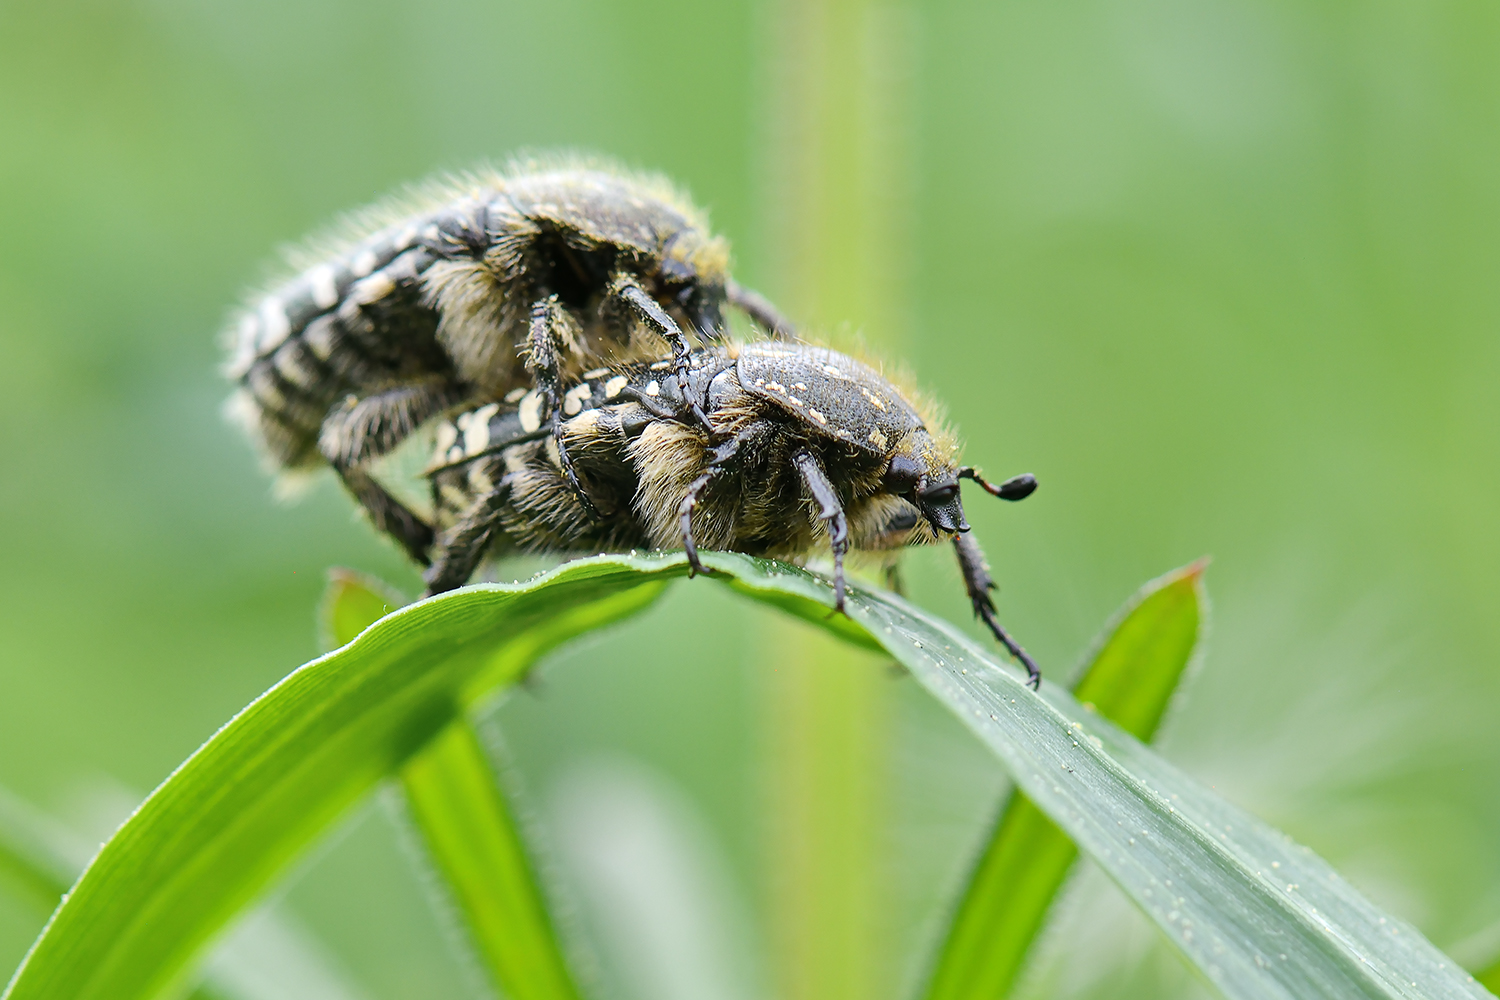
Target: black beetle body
(807, 447)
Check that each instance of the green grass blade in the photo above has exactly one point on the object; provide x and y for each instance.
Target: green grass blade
(34, 868)
(456, 805)
(253, 798)
(1129, 679)
(454, 800)
(1260, 917)
(1490, 977)
(352, 602)
(1143, 653)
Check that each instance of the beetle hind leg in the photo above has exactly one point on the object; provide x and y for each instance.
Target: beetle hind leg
(456, 552)
(544, 345)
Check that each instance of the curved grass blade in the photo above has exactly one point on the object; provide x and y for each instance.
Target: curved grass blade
(455, 802)
(35, 870)
(253, 798)
(1130, 678)
(1261, 917)
(1258, 915)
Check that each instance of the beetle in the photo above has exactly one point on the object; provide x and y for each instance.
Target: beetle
(805, 447)
(460, 293)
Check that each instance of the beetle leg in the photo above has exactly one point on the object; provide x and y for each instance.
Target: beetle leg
(719, 458)
(388, 514)
(1015, 488)
(359, 430)
(831, 511)
(457, 551)
(649, 311)
(979, 583)
(544, 344)
(759, 309)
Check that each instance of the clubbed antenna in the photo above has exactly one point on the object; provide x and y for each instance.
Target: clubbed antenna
(1015, 488)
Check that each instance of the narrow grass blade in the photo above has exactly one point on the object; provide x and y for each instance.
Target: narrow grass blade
(455, 802)
(352, 602)
(34, 868)
(1129, 679)
(252, 799)
(1260, 917)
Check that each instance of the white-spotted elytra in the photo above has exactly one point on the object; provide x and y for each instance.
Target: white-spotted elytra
(802, 447)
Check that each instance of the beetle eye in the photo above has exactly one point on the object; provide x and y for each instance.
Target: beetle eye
(940, 497)
(902, 475)
(676, 272)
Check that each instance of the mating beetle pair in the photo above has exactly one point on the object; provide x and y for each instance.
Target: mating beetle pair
(571, 316)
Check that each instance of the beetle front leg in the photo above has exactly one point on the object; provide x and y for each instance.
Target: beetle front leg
(830, 511)
(978, 582)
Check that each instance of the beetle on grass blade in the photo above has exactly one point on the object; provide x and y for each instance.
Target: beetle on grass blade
(804, 447)
(465, 291)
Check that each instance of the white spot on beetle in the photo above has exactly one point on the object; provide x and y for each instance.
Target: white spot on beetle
(319, 337)
(800, 385)
(818, 416)
(447, 437)
(514, 396)
(372, 289)
(878, 439)
(776, 387)
(530, 411)
(613, 387)
(657, 366)
(596, 373)
(654, 389)
(477, 434)
(577, 396)
(364, 263)
(829, 369)
(324, 292)
(274, 326)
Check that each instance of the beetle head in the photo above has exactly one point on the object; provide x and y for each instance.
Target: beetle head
(933, 492)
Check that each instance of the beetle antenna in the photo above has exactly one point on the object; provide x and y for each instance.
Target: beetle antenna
(1015, 488)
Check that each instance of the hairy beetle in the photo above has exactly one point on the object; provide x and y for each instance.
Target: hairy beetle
(806, 444)
(460, 294)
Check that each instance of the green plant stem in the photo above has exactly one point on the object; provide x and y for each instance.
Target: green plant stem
(454, 799)
(838, 211)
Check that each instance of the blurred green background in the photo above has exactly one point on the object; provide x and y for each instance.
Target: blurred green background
(1222, 274)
